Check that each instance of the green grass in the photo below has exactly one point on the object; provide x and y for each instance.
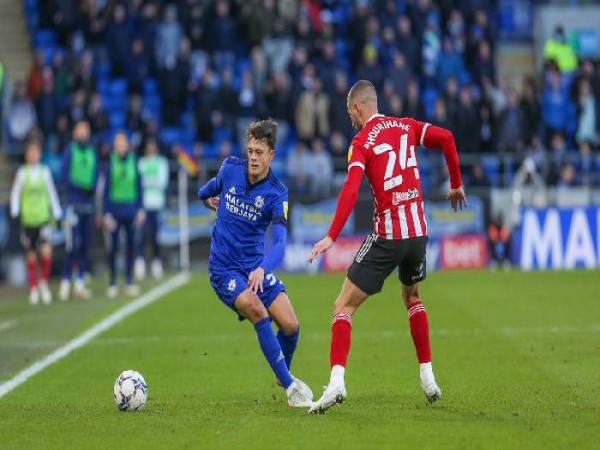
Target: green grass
(516, 354)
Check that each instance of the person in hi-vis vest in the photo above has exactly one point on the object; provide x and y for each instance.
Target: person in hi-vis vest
(34, 200)
(154, 169)
(122, 210)
(80, 175)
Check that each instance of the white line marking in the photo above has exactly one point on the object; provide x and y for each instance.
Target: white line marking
(8, 324)
(120, 314)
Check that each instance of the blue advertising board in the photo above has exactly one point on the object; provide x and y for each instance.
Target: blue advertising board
(558, 238)
(442, 221)
(201, 222)
(311, 222)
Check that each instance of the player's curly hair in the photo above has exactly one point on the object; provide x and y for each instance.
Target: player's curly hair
(263, 131)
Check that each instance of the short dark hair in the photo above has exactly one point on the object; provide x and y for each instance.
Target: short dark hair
(263, 131)
(33, 140)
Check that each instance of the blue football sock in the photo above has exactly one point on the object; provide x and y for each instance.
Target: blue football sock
(288, 343)
(272, 351)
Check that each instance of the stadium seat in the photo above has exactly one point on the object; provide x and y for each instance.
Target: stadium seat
(44, 38)
(117, 119)
(150, 87)
(170, 135)
(429, 98)
(118, 87)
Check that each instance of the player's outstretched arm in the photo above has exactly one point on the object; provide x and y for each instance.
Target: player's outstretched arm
(457, 198)
(345, 205)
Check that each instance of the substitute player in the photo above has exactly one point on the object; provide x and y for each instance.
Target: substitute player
(384, 151)
(248, 197)
(33, 199)
(80, 174)
(122, 210)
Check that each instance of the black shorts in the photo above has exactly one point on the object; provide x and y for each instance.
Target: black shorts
(32, 236)
(377, 258)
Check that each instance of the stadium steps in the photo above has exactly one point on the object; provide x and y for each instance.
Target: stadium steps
(515, 60)
(15, 49)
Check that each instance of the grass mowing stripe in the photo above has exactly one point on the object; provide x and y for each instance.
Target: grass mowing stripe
(120, 314)
(7, 325)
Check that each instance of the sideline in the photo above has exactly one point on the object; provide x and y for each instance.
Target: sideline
(81, 340)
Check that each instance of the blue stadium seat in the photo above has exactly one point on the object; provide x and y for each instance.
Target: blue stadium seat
(150, 87)
(44, 38)
(170, 135)
(210, 151)
(429, 97)
(118, 87)
(117, 119)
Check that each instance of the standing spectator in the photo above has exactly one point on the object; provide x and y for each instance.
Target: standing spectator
(247, 105)
(223, 36)
(277, 47)
(370, 69)
(255, 22)
(118, 38)
(207, 101)
(431, 49)
(558, 158)
(328, 65)
(137, 68)
(399, 74)
(35, 79)
(487, 130)
(147, 30)
(338, 115)
(173, 86)
(278, 97)
(84, 77)
(34, 201)
(555, 104)
(62, 77)
(122, 209)
(499, 241)
(478, 179)
(299, 169)
(510, 138)
(483, 66)
(168, 37)
(97, 115)
(585, 165)
(322, 170)
(559, 50)
(228, 99)
(450, 97)
(529, 111)
(154, 170)
(451, 64)
(467, 120)
(312, 112)
(22, 118)
(46, 105)
(413, 106)
(357, 30)
(440, 114)
(408, 44)
(586, 114)
(80, 175)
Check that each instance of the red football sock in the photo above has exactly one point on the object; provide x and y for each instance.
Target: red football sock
(419, 329)
(32, 272)
(46, 267)
(341, 331)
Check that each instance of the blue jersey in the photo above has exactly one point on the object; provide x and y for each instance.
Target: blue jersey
(244, 214)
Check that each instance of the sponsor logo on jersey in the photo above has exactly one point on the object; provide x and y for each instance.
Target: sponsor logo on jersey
(349, 153)
(285, 210)
(399, 197)
(240, 208)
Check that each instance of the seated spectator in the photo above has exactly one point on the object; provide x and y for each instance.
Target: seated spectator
(22, 117)
(529, 108)
(117, 40)
(84, 77)
(467, 120)
(299, 170)
(567, 177)
(321, 166)
(510, 139)
(77, 106)
(487, 129)
(557, 159)
(62, 75)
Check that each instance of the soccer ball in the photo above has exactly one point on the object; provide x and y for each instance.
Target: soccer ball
(130, 391)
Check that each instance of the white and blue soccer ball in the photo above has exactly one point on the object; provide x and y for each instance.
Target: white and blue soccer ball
(131, 391)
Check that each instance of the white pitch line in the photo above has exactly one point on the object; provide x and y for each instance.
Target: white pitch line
(116, 317)
(8, 324)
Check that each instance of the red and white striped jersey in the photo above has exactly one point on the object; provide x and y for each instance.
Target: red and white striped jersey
(385, 149)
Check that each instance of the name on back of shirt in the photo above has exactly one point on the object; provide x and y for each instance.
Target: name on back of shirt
(240, 208)
(393, 123)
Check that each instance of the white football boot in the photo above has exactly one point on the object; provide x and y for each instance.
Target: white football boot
(157, 269)
(80, 291)
(334, 393)
(45, 293)
(139, 269)
(112, 291)
(64, 290)
(34, 296)
(299, 394)
(430, 388)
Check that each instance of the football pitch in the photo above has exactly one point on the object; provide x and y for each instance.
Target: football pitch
(517, 356)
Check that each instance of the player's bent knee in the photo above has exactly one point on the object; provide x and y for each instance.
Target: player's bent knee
(249, 306)
(290, 326)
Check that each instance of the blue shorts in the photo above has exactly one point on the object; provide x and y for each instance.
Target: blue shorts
(228, 284)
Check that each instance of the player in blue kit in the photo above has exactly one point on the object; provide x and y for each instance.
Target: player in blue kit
(248, 197)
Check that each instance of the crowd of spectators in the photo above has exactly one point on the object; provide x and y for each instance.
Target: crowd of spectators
(195, 73)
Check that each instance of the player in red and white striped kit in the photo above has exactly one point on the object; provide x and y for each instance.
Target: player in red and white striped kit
(384, 151)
